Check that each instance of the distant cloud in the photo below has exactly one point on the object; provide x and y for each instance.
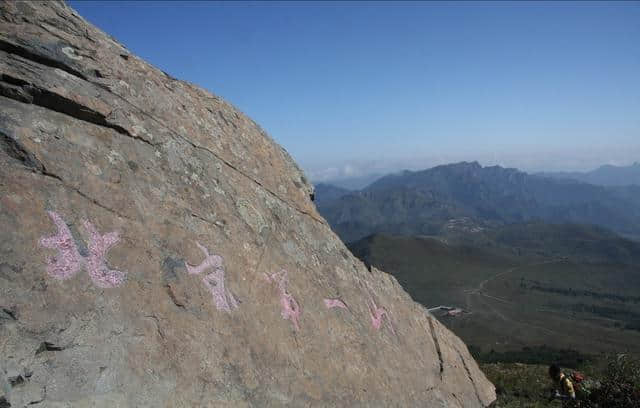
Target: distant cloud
(577, 159)
(348, 170)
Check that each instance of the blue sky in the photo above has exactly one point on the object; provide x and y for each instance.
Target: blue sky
(353, 88)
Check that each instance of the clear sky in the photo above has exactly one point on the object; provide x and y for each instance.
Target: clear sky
(352, 88)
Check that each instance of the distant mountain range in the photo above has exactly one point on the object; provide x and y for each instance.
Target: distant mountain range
(466, 197)
(604, 175)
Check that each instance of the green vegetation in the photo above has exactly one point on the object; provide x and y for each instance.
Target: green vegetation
(520, 385)
(615, 382)
(575, 242)
(542, 355)
(620, 385)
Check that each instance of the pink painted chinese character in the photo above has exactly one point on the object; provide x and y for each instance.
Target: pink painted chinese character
(377, 313)
(214, 281)
(331, 303)
(290, 308)
(69, 261)
(99, 245)
(210, 261)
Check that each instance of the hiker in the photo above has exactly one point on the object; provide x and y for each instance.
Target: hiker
(564, 387)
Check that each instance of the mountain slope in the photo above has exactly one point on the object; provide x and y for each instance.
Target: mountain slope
(327, 193)
(422, 203)
(606, 175)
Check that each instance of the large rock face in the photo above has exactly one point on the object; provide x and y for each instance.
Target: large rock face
(158, 249)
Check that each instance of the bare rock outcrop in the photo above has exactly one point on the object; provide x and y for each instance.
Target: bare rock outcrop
(158, 249)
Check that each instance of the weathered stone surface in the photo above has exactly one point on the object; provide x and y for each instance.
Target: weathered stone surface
(145, 230)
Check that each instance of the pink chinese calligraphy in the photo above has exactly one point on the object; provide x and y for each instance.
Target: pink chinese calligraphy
(214, 281)
(290, 310)
(377, 313)
(71, 257)
(68, 261)
(331, 303)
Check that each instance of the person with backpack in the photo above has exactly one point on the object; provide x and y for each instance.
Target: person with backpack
(564, 389)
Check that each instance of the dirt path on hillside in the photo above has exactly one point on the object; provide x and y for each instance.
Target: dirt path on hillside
(481, 300)
(480, 288)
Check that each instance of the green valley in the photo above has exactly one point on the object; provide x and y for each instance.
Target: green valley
(510, 301)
